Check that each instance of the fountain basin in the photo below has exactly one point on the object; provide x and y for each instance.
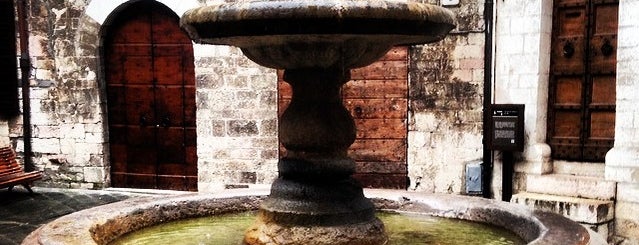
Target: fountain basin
(286, 34)
(103, 224)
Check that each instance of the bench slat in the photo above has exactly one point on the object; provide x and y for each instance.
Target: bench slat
(12, 174)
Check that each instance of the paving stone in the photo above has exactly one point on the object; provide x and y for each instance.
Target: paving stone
(7, 241)
(22, 212)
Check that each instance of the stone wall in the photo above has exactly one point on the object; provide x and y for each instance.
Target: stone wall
(445, 101)
(66, 114)
(622, 162)
(236, 119)
(236, 102)
(4, 134)
(522, 62)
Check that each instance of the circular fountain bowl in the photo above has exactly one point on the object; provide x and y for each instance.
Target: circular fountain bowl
(320, 33)
(104, 224)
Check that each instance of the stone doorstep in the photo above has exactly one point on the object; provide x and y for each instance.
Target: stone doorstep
(571, 186)
(588, 211)
(605, 230)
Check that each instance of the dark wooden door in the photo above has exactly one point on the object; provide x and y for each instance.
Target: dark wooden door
(377, 97)
(582, 84)
(151, 100)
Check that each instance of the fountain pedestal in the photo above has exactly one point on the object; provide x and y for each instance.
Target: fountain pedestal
(315, 200)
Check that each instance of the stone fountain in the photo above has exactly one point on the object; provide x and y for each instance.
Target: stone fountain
(315, 200)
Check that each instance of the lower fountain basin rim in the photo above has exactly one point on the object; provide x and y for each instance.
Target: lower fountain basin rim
(534, 227)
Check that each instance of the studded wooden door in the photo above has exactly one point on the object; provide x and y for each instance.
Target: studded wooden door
(582, 83)
(377, 97)
(151, 100)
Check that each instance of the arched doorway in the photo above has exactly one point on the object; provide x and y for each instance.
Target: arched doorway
(150, 87)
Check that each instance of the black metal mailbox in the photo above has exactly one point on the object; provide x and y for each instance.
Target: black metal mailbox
(506, 127)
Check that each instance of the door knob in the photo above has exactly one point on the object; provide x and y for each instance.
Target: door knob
(142, 120)
(607, 48)
(166, 121)
(358, 111)
(568, 50)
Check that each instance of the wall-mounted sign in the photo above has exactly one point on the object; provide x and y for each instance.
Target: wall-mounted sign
(506, 127)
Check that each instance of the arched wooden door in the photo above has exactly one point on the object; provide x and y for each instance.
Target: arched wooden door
(150, 81)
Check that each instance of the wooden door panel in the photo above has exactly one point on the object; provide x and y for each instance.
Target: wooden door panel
(144, 181)
(382, 70)
(381, 167)
(396, 54)
(603, 44)
(119, 158)
(377, 108)
(136, 70)
(189, 107)
(142, 160)
(116, 96)
(604, 90)
(170, 146)
(121, 51)
(605, 15)
(375, 89)
(567, 124)
(570, 88)
(567, 151)
(568, 55)
(570, 2)
(171, 182)
(166, 72)
(379, 150)
(569, 45)
(136, 30)
(381, 128)
(603, 54)
(602, 125)
(165, 29)
(140, 107)
(170, 103)
(191, 161)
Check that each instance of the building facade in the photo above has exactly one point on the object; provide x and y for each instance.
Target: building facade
(105, 78)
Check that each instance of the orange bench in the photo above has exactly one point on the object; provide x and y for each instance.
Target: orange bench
(12, 174)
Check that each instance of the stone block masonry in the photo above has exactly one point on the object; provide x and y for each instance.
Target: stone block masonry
(67, 121)
(445, 101)
(237, 119)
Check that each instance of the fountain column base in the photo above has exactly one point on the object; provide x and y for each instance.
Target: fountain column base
(315, 201)
(370, 233)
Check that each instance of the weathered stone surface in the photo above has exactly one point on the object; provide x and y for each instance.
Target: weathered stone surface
(444, 99)
(571, 186)
(104, 223)
(578, 209)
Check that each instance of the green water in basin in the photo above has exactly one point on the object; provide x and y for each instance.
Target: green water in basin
(402, 229)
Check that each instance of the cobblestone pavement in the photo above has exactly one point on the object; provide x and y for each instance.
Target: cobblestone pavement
(22, 212)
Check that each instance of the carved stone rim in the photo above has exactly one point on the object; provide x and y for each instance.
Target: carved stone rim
(236, 23)
(100, 225)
